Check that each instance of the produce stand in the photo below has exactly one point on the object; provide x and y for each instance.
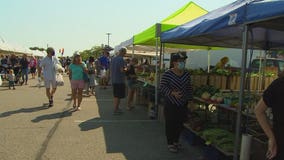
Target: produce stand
(145, 95)
(225, 79)
(225, 153)
(220, 114)
(217, 111)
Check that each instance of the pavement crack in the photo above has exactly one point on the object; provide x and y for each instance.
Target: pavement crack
(49, 136)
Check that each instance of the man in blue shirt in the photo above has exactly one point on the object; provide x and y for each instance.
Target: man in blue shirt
(117, 71)
(104, 63)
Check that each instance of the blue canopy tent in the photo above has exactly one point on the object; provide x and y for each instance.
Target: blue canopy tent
(255, 24)
(223, 27)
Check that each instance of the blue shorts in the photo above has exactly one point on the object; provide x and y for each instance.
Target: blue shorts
(131, 83)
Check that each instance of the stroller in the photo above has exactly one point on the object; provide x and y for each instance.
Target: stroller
(18, 75)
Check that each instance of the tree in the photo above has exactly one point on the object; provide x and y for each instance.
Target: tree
(37, 48)
(94, 51)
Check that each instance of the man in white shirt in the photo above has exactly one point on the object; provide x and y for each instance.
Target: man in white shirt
(48, 66)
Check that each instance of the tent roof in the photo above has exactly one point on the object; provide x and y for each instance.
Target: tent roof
(223, 27)
(187, 13)
(123, 44)
(8, 48)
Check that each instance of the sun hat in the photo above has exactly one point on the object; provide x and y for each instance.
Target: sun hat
(76, 54)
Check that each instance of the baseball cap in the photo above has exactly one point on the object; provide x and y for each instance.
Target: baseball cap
(179, 55)
(107, 48)
(123, 49)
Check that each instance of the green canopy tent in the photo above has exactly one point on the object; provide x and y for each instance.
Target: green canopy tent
(185, 14)
(151, 36)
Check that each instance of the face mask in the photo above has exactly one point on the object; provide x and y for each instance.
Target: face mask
(181, 65)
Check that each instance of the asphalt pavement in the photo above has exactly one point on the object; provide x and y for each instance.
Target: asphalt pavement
(29, 130)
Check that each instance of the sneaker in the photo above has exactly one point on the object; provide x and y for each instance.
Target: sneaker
(172, 148)
(178, 146)
(50, 103)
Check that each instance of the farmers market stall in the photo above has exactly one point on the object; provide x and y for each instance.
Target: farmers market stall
(242, 24)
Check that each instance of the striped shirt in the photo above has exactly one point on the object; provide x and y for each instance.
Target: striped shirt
(172, 82)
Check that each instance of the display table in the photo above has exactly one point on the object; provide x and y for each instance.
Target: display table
(224, 116)
(226, 154)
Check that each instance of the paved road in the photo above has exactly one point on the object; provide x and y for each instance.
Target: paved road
(31, 131)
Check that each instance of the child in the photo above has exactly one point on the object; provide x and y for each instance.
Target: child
(11, 79)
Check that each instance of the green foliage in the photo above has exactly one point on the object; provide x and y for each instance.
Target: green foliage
(222, 72)
(281, 52)
(95, 51)
(199, 71)
(205, 88)
(37, 48)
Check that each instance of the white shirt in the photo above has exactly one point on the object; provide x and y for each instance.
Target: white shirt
(11, 77)
(49, 67)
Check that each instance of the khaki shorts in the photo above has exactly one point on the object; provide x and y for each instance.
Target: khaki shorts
(48, 83)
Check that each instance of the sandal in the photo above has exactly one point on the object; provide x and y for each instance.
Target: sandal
(172, 148)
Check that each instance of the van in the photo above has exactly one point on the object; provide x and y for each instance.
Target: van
(272, 65)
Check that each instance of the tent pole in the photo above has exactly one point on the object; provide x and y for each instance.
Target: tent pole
(156, 75)
(133, 48)
(241, 94)
(161, 58)
(209, 59)
(158, 34)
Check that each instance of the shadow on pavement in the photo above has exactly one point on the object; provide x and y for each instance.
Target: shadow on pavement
(90, 125)
(24, 110)
(58, 115)
(132, 133)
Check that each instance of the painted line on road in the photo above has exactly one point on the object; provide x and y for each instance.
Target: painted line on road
(114, 121)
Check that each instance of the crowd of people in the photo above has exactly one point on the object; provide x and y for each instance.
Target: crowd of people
(17, 68)
(175, 86)
(83, 75)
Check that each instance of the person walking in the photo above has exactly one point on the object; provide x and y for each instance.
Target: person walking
(77, 69)
(91, 74)
(117, 74)
(104, 63)
(33, 65)
(48, 66)
(25, 68)
(176, 87)
(273, 98)
(131, 82)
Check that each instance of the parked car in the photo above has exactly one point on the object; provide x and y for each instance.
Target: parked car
(271, 63)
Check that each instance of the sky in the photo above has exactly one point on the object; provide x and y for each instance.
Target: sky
(76, 25)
